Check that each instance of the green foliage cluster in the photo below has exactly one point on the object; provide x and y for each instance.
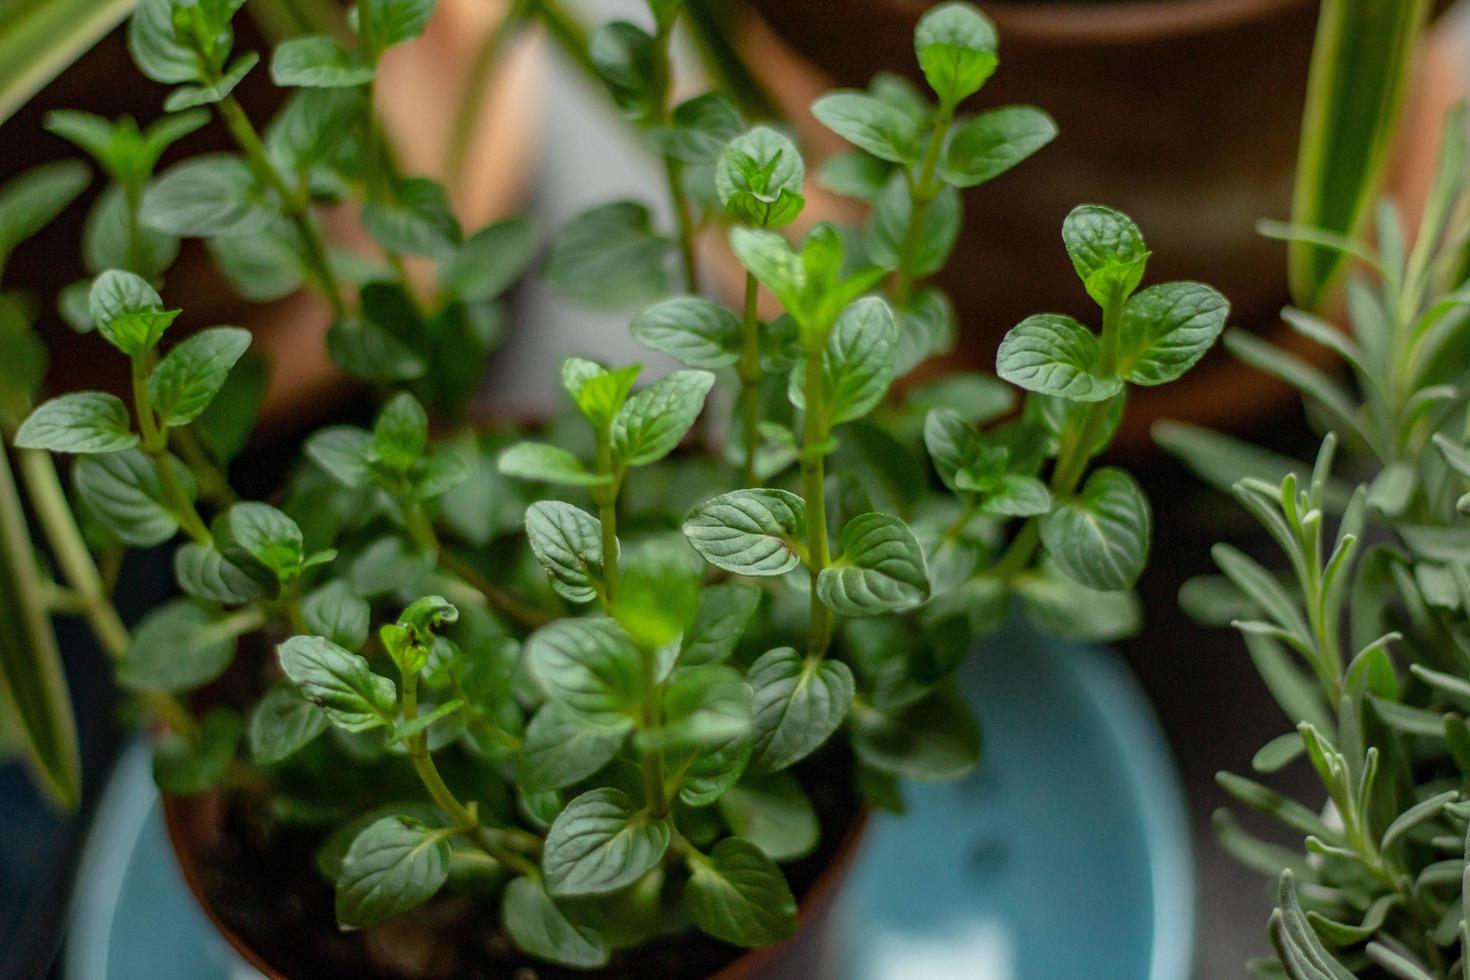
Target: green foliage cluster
(571, 669)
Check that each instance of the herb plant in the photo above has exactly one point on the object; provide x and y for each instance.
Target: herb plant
(575, 669)
(1362, 641)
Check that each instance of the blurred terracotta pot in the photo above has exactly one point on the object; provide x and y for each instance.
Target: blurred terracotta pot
(1183, 113)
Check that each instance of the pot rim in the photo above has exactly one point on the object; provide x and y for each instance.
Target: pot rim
(747, 965)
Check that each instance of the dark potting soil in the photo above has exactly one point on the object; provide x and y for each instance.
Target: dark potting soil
(262, 883)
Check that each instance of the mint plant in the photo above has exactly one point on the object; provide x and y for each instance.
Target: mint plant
(1361, 640)
(587, 675)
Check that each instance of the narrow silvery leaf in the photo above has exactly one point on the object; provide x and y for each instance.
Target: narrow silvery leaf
(1106, 249)
(738, 894)
(568, 542)
(600, 843)
(1167, 328)
(983, 148)
(720, 619)
(339, 614)
(870, 124)
(340, 682)
(881, 568)
(590, 667)
(547, 463)
(559, 750)
(82, 422)
(692, 330)
(799, 702)
(652, 422)
(283, 724)
(207, 196)
(177, 647)
(542, 928)
(1101, 537)
(1297, 944)
(392, 866)
(749, 532)
(935, 738)
(1054, 355)
(124, 492)
(191, 374)
(956, 46)
(773, 813)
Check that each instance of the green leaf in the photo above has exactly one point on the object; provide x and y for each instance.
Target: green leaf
(177, 647)
(339, 682)
(739, 895)
(559, 750)
(30, 201)
(759, 178)
(714, 771)
(881, 569)
(108, 243)
(692, 330)
(124, 492)
(1167, 328)
(720, 619)
(1101, 537)
(192, 96)
(652, 422)
(207, 196)
(282, 724)
(417, 220)
(156, 47)
(1106, 249)
(749, 532)
(626, 58)
(870, 124)
(799, 702)
(184, 766)
(400, 434)
(568, 542)
(205, 572)
(318, 62)
(935, 738)
(341, 451)
(545, 930)
(981, 149)
(590, 667)
(490, 261)
(192, 373)
(24, 356)
(268, 536)
(889, 223)
(548, 464)
(1060, 606)
(1360, 66)
(859, 362)
(396, 864)
(597, 392)
(1055, 355)
(128, 312)
(364, 349)
(385, 23)
(82, 422)
(774, 814)
(610, 257)
(599, 844)
(704, 707)
(956, 45)
(769, 257)
(701, 127)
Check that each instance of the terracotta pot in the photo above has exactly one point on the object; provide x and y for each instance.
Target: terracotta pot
(1183, 113)
(420, 85)
(195, 822)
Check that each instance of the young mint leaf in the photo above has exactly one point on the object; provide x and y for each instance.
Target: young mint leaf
(559, 750)
(1055, 355)
(568, 542)
(692, 330)
(881, 569)
(490, 261)
(547, 464)
(81, 422)
(177, 647)
(318, 62)
(416, 220)
(590, 667)
(610, 257)
(192, 96)
(282, 724)
(714, 771)
(384, 23)
(932, 739)
(340, 683)
(889, 222)
(749, 532)
(266, 535)
(394, 865)
(1106, 249)
(720, 618)
(186, 767)
(858, 364)
(205, 572)
(626, 58)
(124, 492)
(400, 434)
(30, 201)
(773, 813)
(545, 930)
(799, 702)
(156, 47)
(207, 196)
(598, 392)
(770, 258)
(600, 843)
(1167, 328)
(956, 45)
(981, 149)
(652, 422)
(128, 312)
(190, 375)
(739, 895)
(759, 178)
(1101, 537)
(870, 124)
(341, 451)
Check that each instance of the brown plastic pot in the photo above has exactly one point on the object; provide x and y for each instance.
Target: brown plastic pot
(195, 822)
(1183, 113)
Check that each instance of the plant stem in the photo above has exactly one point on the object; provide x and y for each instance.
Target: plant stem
(567, 31)
(750, 379)
(922, 190)
(814, 489)
(472, 96)
(155, 444)
(212, 481)
(674, 169)
(422, 531)
(606, 497)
